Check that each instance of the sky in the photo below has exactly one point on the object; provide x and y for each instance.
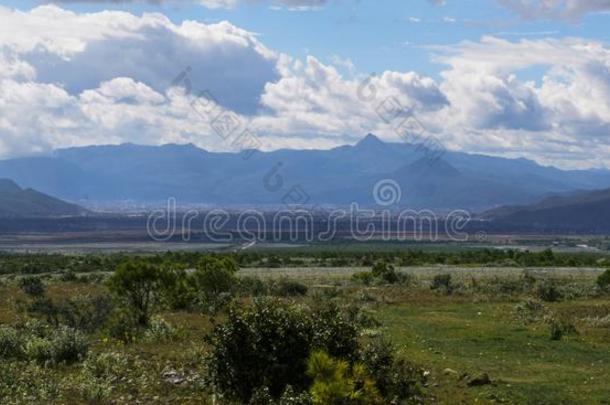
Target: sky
(515, 78)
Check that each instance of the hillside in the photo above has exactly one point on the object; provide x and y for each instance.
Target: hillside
(580, 211)
(18, 202)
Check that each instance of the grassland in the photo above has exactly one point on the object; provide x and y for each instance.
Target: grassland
(493, 320)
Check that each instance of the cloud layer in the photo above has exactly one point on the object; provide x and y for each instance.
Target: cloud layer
(70, 79)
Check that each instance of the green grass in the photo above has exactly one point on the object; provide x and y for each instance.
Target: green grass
(469, 332)
(525, 365)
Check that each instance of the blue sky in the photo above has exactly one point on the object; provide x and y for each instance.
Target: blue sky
(517, 78)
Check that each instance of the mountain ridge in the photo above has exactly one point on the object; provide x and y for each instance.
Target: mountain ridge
(337, 176)
(18, 202)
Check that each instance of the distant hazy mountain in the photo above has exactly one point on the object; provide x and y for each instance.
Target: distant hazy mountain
(580, 211)
(17, 202)
(337, 176)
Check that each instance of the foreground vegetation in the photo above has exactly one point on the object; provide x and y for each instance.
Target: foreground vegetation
(267, 328)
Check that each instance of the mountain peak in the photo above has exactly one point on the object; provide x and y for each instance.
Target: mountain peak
(369, 141)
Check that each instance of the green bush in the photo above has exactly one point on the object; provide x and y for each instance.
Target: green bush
(32, 286)
(385, 272)
(122, 326)
(396, 378)
(442, 283)
(214, 281)
(83, 312)
(336, 383)
(11, 343)
(289, 288)
(548, 291)
(253, 286)
(558, 327)
(63, 345)
(159, 330)
(364, 277)
(267, 345)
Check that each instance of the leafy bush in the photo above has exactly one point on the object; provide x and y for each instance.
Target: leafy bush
(548, 291)
(32, 286)
(177, 291)
(530, 310)
(289, 288)
(558, 327)
(336, 383)
(86, 313)
(214, 280)
(252, 286)
(386, 272)
(11, 343)
(122, 326)
(159, 330)
(267, 345)
(442, 283)
(603, 280)
(105, 365)
(63, 345)
(364, 277)
(396, 378)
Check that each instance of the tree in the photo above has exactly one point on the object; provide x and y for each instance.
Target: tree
(213, 280)
(138, 284)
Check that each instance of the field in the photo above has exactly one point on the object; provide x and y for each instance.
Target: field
(541, 334)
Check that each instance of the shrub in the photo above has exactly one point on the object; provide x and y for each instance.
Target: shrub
(530, 310)
(442, 283)
(32, 286)
(137, 284)
(11, 343)
(176, 290)
(289, 288)
(122, 326)
(68, 276)
(63, 345)
(267, 345)
(252, 286)
(396, 378)
(335, 383)
(558, 327)
(159, 330)
(386, 272)
(106, 366)
(603, 280)
(214, 280)
(548, 291)
(290, 397)
(86, 313)
(364, 277)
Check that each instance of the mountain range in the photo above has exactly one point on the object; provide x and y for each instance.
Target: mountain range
(338, 176)
(16, 202)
